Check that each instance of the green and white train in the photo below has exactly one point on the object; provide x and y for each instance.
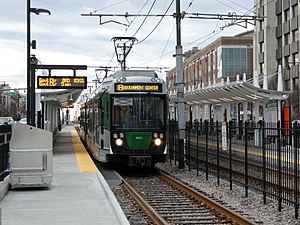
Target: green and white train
(125, 122)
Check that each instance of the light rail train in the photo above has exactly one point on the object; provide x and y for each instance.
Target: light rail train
(125, 121)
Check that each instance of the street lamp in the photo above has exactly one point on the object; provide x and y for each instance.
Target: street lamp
(41, 12)
(30, 78)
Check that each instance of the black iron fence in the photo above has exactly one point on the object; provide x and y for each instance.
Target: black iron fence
(260, 156)
(5, 135)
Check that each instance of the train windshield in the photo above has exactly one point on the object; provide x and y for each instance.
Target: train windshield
(138, 112)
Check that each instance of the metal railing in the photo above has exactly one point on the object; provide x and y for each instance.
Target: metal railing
(260, 156)
(5, 135)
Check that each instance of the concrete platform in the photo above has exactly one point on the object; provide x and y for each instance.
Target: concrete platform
(73, 198)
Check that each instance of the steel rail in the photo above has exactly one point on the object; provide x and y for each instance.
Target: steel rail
(220, 208)
(148, 209)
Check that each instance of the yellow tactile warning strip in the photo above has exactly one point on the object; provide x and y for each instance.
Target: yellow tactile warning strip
(84, 161)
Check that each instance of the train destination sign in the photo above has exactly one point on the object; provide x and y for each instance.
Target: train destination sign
(61, 82)
(138, 87)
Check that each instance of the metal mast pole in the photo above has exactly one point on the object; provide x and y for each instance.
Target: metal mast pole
(28, 102)
(180, 87)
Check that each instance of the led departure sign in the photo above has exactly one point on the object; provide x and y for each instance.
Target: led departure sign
(55, 82)
(138, 87)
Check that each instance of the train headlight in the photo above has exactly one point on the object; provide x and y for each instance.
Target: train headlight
(121, 135)
(155, 135)
(115, 135)
(161, 135)
(119, 142)
(157, 142)
(157, 80)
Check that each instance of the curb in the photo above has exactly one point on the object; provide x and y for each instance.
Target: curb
(116, 206)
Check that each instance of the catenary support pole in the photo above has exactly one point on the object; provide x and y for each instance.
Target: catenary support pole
(180, 87)
(28, 100)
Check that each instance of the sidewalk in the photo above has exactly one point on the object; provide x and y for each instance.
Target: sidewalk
(73, 198)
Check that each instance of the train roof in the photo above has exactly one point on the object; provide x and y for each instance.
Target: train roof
(134, 77)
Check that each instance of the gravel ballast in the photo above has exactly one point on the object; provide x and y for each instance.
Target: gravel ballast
(252, 205)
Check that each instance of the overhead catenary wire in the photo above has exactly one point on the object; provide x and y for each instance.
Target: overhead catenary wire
(117, 3)
(139, 12)
(229, 6)
(169, 38)
(209, 36)
(165, 47)
(247, 13)
(238, 4)
(131, 22)
(145, 38)
(144, 18)
(213, 34)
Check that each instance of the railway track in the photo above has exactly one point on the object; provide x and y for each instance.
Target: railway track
(258, 177)
(168, 201)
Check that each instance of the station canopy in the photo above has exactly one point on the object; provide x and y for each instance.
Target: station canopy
(238, 91)
(60, 97)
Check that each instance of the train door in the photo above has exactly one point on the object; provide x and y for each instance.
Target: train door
(101, 124)
(104, 125)
(95, 121)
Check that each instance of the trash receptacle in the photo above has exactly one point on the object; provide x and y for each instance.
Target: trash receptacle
(31, 157)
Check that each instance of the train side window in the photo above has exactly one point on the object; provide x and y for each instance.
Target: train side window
(107, 109)
(101, 117)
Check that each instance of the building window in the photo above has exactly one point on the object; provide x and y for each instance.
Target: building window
(287, 85)
(295, 84)
(295, 34)
(286, 39)
(260, 25)
(234, 61)
(261, 47)
(213, 64)
(286, 61)
(261, 3)
(219, 62)
(286, 15)
(261, 68)
(279, 42)
(295, 10)
(279, 19)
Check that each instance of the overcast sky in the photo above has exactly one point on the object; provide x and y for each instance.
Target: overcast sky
(68, 38)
